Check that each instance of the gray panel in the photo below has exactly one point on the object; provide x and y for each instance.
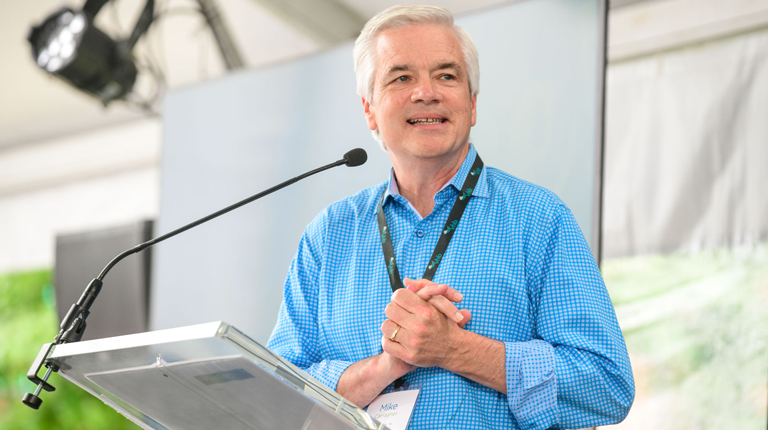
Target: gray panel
(122, 305)
(235, 137)
(537, 113)
(540, 96)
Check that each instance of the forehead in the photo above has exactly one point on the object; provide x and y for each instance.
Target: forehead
(417, 45)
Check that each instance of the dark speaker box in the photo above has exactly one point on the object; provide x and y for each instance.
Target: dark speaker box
(122, 307)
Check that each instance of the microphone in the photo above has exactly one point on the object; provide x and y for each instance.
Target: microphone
(73, 324)
(356, 157)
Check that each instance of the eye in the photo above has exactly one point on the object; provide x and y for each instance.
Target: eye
(448, 77)
(401, 78)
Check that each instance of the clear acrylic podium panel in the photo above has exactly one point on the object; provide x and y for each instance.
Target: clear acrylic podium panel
(204, 376)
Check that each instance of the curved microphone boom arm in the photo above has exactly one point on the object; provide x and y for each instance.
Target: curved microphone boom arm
(73, 325)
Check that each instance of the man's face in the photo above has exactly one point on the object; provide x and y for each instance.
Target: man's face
(421, 103)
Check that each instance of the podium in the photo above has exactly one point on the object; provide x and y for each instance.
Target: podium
(203, 377)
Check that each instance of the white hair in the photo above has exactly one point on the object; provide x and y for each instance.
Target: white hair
(401, 16)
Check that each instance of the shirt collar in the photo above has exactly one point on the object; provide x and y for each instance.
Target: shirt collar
(481, 190)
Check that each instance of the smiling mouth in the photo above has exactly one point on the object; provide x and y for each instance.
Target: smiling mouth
(426, 121)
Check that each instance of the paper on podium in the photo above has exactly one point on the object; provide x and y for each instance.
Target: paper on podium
(203, 377)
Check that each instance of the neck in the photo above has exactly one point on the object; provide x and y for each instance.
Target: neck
(418, 180)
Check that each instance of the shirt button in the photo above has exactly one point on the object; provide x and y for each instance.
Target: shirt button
(419, 233)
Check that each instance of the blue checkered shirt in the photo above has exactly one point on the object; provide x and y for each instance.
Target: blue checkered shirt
(527, 276)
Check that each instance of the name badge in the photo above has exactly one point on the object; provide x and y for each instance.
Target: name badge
(394, 409)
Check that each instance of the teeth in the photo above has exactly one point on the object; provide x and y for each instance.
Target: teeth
(426, 121)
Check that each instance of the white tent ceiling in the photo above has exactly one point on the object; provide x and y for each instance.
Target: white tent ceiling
(34, 106)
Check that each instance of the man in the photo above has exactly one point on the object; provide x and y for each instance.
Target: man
(537, 344)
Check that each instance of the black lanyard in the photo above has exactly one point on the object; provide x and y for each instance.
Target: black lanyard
(445, 237)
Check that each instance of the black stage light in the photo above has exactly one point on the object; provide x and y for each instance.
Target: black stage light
(68, 45)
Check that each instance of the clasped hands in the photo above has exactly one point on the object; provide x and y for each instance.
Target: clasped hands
(426, 324)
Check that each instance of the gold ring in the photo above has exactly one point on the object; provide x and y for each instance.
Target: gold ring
(392, 338)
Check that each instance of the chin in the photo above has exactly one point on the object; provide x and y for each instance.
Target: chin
(425, 146)
(436, 149)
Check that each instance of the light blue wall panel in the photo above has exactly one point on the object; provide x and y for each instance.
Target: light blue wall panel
(230, 138)
(540, 96)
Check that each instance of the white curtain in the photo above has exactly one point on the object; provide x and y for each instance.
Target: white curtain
(686, 152)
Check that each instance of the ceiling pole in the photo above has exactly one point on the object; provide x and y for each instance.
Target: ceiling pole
(229, 51)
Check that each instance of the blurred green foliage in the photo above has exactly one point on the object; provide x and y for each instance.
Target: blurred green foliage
(27, 321)
(637, 278)
(700, 358)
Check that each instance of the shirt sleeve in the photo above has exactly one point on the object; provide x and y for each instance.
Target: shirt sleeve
(295, 336)
(576, 372)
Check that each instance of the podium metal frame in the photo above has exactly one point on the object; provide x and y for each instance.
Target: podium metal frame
(102, 366)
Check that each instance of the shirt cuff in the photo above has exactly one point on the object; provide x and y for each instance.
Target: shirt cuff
(531, 383)
(329, 371)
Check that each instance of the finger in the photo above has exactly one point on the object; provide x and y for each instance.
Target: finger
(395, 349)
(420, 285)
(447, 308)
(452, 295)
(432, 290)
(467, 316)
(429, 291)
(416, 284)
(398, 315)
(388, 327)
(408, 300)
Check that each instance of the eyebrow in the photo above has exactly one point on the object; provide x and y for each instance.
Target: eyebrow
(398, 68)
(442, 66)
(450, 65)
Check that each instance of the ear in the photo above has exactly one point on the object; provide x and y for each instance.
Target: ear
(370, 115)
(474, 110)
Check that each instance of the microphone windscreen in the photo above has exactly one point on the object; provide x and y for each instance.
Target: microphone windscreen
(356, 157)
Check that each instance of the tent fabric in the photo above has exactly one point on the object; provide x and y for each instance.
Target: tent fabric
(686, 149)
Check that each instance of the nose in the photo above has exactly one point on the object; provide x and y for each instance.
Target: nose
(425, 92)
